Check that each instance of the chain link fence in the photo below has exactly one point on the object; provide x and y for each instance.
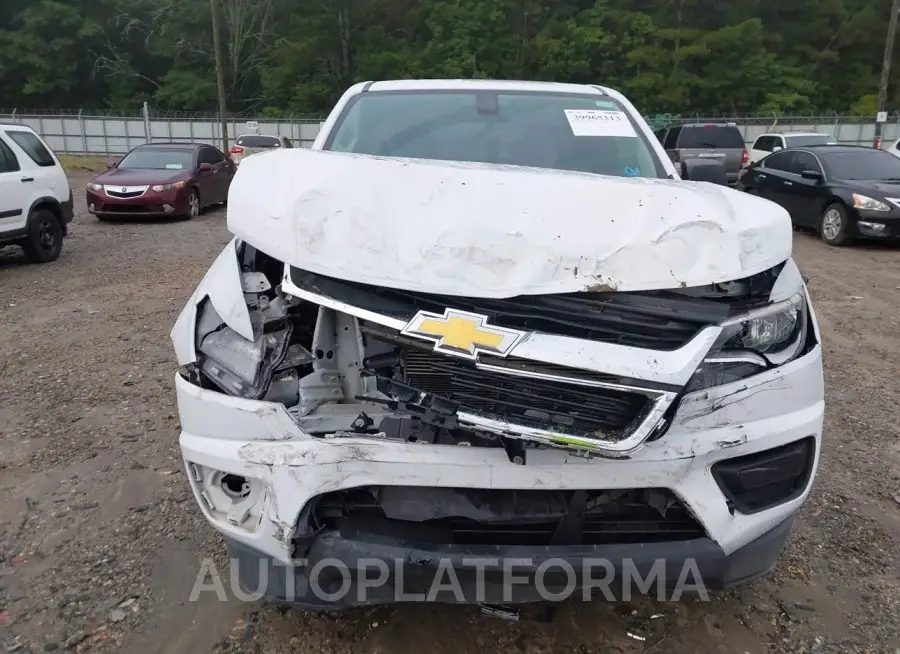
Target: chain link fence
(847, 130)
(87, 133)
(95, 133)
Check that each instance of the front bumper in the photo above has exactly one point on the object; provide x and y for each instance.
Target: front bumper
(877, 224)
(168, 203)
(343, 571)
(288, 468)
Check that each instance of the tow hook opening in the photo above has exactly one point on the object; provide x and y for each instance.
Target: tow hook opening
(235, 486)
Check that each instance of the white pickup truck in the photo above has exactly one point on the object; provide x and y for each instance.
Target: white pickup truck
(483, 341)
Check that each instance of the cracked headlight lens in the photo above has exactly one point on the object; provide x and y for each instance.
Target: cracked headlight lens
(761, 339)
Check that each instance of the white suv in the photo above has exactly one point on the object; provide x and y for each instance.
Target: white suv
(35, 198)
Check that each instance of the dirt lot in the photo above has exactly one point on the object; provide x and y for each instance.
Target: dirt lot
(100, 542)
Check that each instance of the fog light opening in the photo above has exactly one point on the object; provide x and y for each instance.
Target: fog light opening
(235, 486)
(168, 208)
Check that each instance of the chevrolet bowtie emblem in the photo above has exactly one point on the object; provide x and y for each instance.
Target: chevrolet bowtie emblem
(462, 334)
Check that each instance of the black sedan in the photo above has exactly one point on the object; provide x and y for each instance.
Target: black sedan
(844, 192)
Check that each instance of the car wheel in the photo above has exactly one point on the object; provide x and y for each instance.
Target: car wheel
(833, 225)
(45, 236)
(193, 204)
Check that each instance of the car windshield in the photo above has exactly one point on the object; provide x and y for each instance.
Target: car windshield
(809, 139)
(710, 136)
(868, 164)
(587, 133)
(256, 141)
(157, 159)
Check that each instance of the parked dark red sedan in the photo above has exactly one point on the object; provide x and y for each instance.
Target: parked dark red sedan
(162, 179)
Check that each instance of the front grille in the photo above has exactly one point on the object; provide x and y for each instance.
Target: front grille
(130, 194)
(657, 321)
(505, 517)
(538, 403)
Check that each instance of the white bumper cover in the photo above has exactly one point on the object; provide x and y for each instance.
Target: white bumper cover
(287, 468)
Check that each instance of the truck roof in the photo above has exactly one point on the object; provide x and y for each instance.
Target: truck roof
(474, 84)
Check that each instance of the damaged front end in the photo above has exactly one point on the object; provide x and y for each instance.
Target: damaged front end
(326, 419)
(594, 373)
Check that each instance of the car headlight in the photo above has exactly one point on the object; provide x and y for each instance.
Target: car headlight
(239, 366)
(865, 202)
(95, 187)
(161, 188)
(760, 339)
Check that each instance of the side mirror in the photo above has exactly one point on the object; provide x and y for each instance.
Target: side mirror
(204, 167)
(776, 148)
(813, 175)
(704, 170)
(112, 162)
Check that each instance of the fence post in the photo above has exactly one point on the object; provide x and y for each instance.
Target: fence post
(83, 135)
(102, 120)
(14, 115)
(147, 136)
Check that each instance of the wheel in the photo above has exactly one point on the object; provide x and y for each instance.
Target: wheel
(45, 236)
(833, 225)
(193, 204)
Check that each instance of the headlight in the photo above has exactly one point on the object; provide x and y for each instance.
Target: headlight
(236, 365)
(865, 202)
(95, 187)
(241, 367)
(760, 339)
(161, 188)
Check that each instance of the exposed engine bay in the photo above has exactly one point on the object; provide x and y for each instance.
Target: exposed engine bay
(339, 374)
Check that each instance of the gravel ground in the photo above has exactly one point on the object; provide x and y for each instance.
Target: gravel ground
(100, 542)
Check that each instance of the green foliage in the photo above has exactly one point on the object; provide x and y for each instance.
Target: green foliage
(867, 105)
(295, 56)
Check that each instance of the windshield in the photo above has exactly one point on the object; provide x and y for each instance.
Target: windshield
(868, 164)
(254, 141)
(711, 136)
(809, 139)
(158, 159)
(588, 133)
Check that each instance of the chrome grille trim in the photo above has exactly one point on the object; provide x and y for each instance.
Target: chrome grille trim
(672, 368)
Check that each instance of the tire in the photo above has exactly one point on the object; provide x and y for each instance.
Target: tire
(194, 206)
(45, 236)
(833, 225)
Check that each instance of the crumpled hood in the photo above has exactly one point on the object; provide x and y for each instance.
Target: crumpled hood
(498, 231)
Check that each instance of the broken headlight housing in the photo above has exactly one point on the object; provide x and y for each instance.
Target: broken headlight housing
(755, 341)
(236, 365)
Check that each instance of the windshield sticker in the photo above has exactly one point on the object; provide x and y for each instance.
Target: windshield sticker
(632, 171)
(605, 104)
(599, 122)
(174, 166)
